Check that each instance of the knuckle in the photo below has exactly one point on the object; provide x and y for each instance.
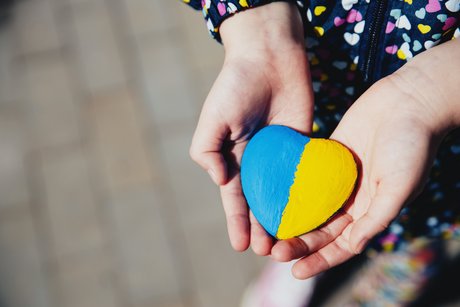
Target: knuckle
(194, 154)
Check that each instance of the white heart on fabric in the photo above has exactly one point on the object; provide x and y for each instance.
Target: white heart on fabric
(359, 27)
(210, 26)
(340, 64)
(405, 49)
(351, 38)
(309, 16)
(429, 44)
(348, 4)
(453, 5)
(231, 8)
(403, 23)
(316, 86)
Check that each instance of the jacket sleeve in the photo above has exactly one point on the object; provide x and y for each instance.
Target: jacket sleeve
(216, 11)
(196, 4)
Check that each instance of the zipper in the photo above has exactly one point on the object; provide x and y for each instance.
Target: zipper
(374, 33)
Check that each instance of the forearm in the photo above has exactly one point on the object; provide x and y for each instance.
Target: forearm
(433, 77)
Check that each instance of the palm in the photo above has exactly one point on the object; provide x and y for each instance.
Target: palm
(248, 95)
(392, 145)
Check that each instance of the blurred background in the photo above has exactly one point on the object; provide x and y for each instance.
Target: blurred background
(100, 203)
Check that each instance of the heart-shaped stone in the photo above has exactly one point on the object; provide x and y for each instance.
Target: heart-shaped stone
(292, 183)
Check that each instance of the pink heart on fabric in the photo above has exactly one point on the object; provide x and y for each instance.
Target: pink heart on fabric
(338, 21)
(391, 49)
(433, 6)
(390, 27)
(353, 16)
(221, 8)
(450, 22)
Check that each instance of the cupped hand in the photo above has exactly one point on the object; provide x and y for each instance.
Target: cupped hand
(394, 132)
(265, 80)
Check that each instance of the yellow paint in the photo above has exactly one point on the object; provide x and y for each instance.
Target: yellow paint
(243, 3)
(424, 28)
(319, 31)
(401, 54)
(319, 10)
(324, 180)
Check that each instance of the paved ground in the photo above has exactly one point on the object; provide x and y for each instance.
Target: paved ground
(100, 204)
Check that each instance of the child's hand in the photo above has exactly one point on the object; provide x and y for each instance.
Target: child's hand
(264, 80)
(394, 130)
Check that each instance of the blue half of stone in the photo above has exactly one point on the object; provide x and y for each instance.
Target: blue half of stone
(268, 167)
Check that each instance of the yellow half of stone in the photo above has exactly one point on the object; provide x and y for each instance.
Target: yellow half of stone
(324, 179)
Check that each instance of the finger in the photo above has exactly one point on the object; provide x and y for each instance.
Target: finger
(295, 248)
(261, 241)
(237, 214)
(384, 207)
(329, 256)
(207, 144)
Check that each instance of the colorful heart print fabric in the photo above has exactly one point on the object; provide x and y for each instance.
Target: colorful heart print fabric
(342, 39)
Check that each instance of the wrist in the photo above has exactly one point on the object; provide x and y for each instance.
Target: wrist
(429, 82)
(270, 28)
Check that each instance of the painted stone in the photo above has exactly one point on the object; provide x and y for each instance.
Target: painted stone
(293, 183)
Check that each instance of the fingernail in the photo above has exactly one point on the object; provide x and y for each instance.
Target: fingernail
(213, 176)
(361, 246)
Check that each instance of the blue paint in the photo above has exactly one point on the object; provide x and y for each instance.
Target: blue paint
(267, 172)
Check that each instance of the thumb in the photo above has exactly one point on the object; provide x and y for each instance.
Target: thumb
(206, 147)
(383, 209)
